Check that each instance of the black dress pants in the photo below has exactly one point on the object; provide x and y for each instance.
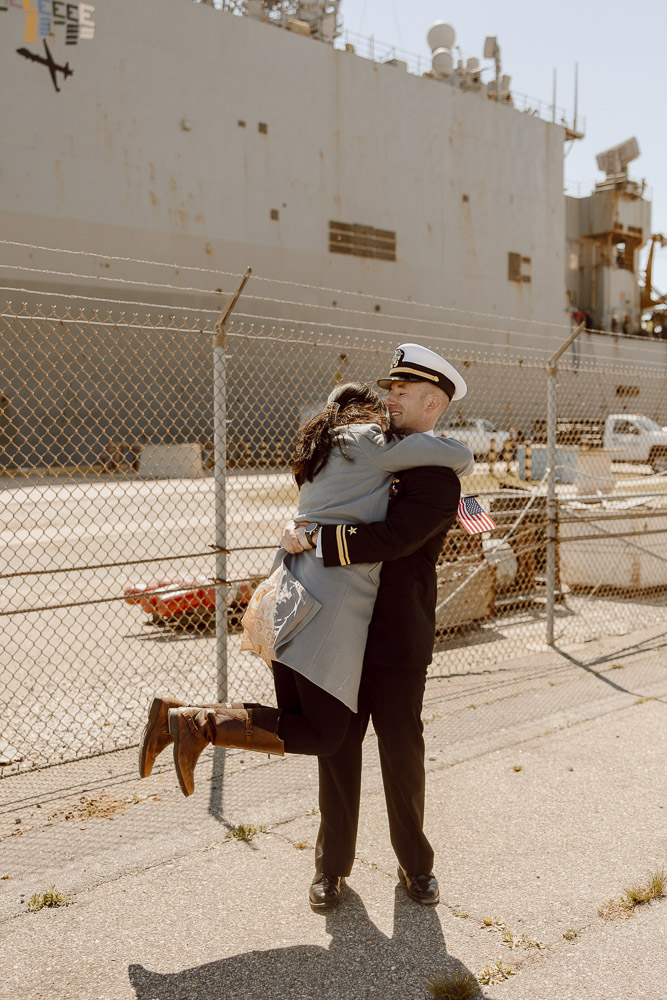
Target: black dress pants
(311, 721)
(393, 698)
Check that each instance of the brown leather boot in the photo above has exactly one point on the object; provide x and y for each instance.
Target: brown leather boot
(156, 736)
(194, 728)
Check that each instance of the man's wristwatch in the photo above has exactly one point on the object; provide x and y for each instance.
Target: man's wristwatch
(308, 535)
(311, 534)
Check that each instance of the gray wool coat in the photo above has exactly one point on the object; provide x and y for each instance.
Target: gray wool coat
(322, 614)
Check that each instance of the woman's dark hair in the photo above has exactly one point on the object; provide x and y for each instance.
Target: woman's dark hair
(351, 403)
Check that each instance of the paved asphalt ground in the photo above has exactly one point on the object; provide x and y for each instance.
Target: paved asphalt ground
(546, 798)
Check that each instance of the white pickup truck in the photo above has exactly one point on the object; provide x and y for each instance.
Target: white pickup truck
(635, 438)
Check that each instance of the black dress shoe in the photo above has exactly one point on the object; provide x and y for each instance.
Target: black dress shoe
(423, 887)
(325, 892)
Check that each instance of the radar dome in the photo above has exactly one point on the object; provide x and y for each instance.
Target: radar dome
(441, 36)
(442, 63)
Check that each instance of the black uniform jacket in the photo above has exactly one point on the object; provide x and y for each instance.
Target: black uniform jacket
(422, 507)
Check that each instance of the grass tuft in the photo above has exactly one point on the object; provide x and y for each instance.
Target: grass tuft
(244, 831)
(458, 985)
(512, 940)
(653, 889)
(51, 897)
(639, 895)
(618, 666)
(303, 845)
(570, 934)
(495, 973)
(509, 938)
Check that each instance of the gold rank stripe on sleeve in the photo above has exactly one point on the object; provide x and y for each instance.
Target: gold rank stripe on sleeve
(341, 541)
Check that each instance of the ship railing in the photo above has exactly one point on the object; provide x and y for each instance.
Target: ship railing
(547, 112)
(582, 188)
(369, 47)
(372, 48)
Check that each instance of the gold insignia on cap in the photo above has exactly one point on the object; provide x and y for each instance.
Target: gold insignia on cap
(398, 357)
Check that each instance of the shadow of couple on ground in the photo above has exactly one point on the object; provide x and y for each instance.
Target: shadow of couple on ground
(361, 962)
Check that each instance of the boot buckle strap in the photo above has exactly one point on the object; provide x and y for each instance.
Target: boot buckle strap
(191, 724)
(248, 730)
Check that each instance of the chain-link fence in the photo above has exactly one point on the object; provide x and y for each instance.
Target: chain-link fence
(108, 508)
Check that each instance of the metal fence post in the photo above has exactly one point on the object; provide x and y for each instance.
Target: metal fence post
(552, 503)
(551, 500)
(220, 477)
(220, 474)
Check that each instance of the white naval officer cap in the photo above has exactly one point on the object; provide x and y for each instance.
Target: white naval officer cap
(414, 363)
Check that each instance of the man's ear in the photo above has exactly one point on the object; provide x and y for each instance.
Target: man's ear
(437, 402)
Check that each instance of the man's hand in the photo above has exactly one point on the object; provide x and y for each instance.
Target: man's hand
(289, 539)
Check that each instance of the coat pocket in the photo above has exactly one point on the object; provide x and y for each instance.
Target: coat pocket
(294, 607)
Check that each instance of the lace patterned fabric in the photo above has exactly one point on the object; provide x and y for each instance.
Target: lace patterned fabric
(258, 620)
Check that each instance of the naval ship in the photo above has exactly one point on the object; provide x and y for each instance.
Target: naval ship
(164, 146)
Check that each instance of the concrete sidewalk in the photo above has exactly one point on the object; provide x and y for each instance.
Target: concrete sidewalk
(546, 798)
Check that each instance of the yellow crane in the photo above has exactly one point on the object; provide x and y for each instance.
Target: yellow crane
(647, 301)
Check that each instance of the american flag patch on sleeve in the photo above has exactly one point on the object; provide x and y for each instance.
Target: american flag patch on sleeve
(473, 517)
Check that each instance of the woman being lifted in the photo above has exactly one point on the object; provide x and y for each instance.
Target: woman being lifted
(346, 457)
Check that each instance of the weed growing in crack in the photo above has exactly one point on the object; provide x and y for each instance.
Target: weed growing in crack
(244, 831)
(495, 973)
(512, 940)
(639, 895)
(509, 938)
(51, 897)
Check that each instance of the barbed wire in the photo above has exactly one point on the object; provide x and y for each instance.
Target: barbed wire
(565, 364)
(282, 302)
(98, 298)
(281, 281)
(271, 320)
(578, 363)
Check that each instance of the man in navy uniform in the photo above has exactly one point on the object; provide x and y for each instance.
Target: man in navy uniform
(422, 507)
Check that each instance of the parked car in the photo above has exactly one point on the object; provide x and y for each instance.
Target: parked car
(478, 434)
(633, 437)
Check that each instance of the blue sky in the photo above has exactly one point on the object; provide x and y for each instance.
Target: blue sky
(620, 51)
